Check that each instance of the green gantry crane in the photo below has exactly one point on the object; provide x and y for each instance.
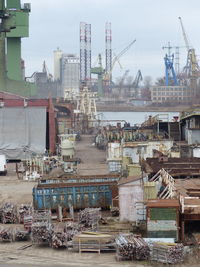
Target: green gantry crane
(14, 24)
(100, 73)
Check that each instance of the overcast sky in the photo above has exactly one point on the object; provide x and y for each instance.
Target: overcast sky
(153, 23)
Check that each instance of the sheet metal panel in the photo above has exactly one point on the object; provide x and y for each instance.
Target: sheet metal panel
(22, 131)
(163, 214)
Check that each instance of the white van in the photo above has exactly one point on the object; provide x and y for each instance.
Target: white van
(3, 164)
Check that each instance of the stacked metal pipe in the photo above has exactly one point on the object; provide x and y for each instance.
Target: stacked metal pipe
(59, 237)
(130, 247)
(21, 235)
(9, 214)
(42, 228)
(90, 217)
(167, 252)
(42, 233)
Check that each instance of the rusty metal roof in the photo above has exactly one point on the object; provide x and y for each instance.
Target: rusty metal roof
(175, 166)
(163, 203)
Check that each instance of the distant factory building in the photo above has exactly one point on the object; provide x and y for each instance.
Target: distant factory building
(70, 69)
(169, 94)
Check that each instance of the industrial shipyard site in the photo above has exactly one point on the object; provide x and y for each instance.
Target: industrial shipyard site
(100, 149)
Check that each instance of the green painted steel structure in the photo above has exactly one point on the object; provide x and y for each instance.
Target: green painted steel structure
(14, 25)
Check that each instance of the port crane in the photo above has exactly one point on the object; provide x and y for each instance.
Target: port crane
(191, 70)
(170, 74)
(108, 76)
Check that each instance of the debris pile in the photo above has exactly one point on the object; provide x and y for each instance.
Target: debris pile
(167, 252)
(9, 214)
(59, 238)
(130, 247)
(6, 234)
(90, 217)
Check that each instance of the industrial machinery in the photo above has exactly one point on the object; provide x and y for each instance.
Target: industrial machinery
(191, 71)
(13, 26)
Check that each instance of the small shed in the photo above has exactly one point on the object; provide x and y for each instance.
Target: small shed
(163, 218)
(130, 195)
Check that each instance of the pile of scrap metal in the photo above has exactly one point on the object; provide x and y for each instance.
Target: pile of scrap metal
(6, 234)
(28, 220)
(130, 247)
(9, 213)
(167, 252)
(42, 228)
(21, 234)
(59, 236)
(72, 229)
(90, 217)
(24, 210)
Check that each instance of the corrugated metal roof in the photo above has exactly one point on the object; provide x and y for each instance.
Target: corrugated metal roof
(163, 203)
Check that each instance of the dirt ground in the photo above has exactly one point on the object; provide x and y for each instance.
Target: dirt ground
(18, 191)
(93, 160)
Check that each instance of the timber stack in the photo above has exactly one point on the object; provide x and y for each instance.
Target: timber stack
(167, 252)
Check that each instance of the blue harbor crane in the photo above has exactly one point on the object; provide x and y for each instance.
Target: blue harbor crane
(170, 74)
(169, 70)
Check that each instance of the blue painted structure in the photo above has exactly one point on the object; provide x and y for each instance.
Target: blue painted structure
(79, 192)
(169, 69)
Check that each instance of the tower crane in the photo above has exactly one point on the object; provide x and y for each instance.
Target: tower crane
(191, 70)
